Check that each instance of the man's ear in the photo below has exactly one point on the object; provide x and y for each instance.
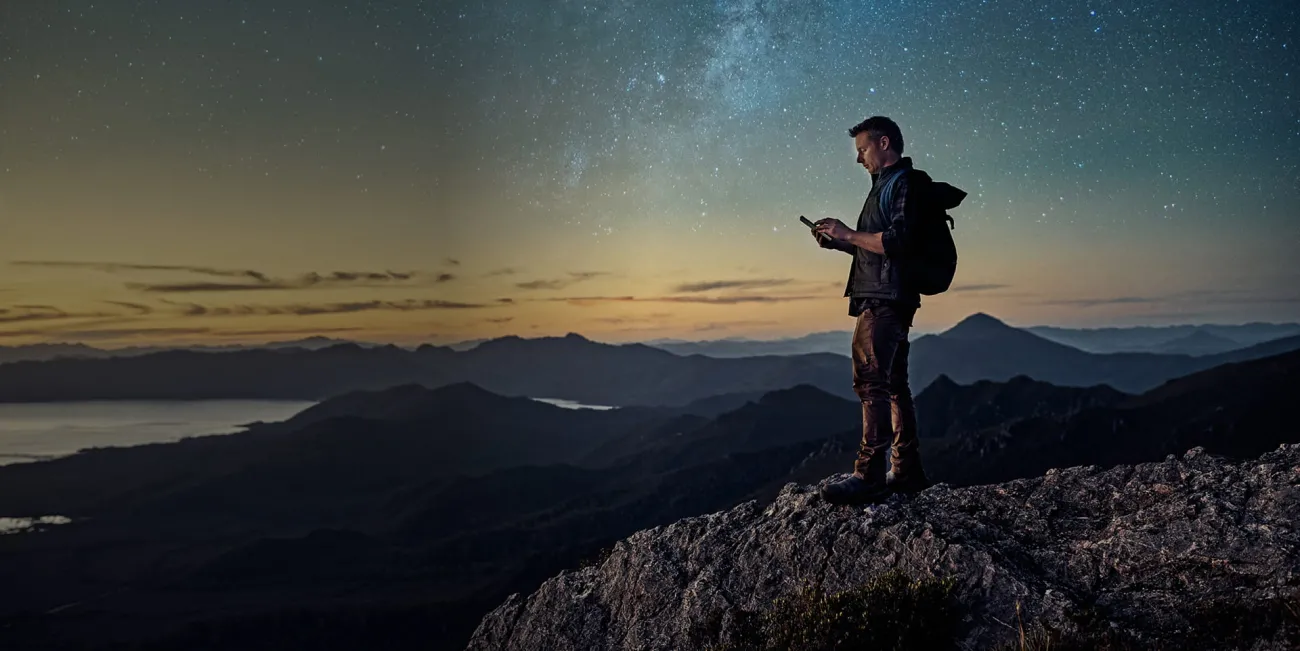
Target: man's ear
(884, 143)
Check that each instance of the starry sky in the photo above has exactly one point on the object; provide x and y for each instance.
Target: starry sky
(237, 171)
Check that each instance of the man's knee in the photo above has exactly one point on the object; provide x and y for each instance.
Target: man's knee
(872, 389)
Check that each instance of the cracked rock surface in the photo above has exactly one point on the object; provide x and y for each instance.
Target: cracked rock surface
(1144, 546)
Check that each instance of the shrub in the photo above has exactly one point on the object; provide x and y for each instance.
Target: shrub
(891, 613)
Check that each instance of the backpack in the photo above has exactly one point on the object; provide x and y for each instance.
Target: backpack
(930, 263)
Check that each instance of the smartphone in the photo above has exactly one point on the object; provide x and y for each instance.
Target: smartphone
(821, 237)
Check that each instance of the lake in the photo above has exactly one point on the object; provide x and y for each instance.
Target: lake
(34, 431)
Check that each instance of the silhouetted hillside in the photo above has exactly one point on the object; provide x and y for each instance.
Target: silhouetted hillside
(568, 367)
(946, 408)
(42, 352)
(1150, 338)
(1198, 342)
(1239, 410)
(983, 348)
(836, 342)
(362, 499)
(355, 525)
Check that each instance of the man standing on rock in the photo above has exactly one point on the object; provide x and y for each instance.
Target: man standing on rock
(884, 309)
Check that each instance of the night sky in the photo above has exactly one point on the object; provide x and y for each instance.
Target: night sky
(206, 171)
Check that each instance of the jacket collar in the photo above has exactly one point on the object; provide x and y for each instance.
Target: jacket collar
(904, 163)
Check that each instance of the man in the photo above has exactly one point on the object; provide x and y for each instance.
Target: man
(884, 308)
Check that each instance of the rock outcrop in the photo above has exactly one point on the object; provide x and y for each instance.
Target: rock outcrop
(1155, 552)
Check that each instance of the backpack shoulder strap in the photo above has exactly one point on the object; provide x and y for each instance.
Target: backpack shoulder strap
(887, 194)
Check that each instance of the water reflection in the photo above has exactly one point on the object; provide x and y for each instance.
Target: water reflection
(28, 525)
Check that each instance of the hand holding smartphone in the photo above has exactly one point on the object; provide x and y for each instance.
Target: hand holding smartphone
(821, 238)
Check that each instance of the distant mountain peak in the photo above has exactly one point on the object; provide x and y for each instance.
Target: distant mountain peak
(978, 324)
(942, 383)
(460, 390)
(796, 394)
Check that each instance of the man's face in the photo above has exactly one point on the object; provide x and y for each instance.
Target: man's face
(871, 151)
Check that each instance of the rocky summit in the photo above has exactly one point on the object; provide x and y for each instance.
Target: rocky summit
(1157, 553)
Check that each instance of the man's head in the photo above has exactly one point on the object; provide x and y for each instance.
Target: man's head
(879, 143)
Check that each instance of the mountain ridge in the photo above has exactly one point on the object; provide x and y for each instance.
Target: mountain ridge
(575, 368)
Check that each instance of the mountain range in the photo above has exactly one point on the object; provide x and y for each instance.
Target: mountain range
(395, 518)
(1204, 339)
(574, 368)
(43, 352)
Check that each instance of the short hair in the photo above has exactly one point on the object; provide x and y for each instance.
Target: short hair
(878, 126)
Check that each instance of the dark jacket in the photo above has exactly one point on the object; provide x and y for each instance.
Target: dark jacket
(873, 275)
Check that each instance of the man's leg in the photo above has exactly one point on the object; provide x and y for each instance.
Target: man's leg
(905, 470)
(876, 341)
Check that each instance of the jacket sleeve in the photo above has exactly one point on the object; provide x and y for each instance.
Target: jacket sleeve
(897, 237)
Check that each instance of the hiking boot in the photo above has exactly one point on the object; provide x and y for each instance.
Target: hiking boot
(854, 490)
(912, 482)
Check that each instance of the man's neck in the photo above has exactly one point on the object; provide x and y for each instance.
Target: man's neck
(886, 166)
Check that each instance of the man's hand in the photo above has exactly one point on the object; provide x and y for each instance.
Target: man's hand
(823, 240)
(834, 229)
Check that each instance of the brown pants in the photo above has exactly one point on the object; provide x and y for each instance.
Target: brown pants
(880, 349)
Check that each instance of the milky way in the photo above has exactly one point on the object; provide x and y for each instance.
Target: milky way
(694, 111)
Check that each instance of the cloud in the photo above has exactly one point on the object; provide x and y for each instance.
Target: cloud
(28, 332)
(313, 309)
(732, 284)
(23, 313)
(183, 288)
(1177, 315)
(443, 278)
(119, 333)
(116, 267)
(251, 279)
(283, 331)
(138, 307)
(306, 281)
(1197, 298)
(82, 332)
(591, 300)
(977, 288)
(731, 300)
(506, 271)
(1093, 302)
(504, 319)
(90, 322)
(734, 299)
(453, 262)
(1252, 300)
(620, 320)
(544, 284)
(561, 283)
(719, 325)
